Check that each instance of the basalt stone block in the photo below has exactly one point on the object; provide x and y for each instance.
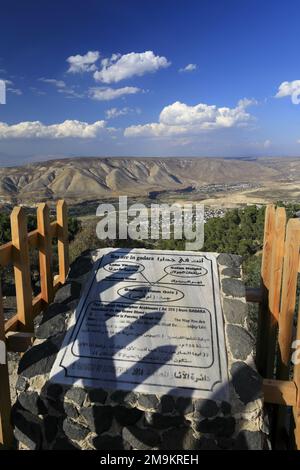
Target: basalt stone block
(32, 443)
(51, 327)
(249, 440)
(150, 402)
(231, 272)
(233, 287)
(22, 383)
(241, 343)
(97, 395)
(180, 438)
(218, 426)
(68, 292)
(206, 408)
(225, 443)
(208, 444)
(51, 426)
(54, 407)
(121, 397)
(39, 359)
(74, 430)
(98, 418)
(64, 293)
(77, 395)
(63, 443)
(27, 428)
(167, 404)
(225, 408)
(53, 391)
(246, 382)
(31, 401)
(71, 410)
(141, 439)
(235, 311)
(159, 421)
(232, 261)
(80, 267)
(184, 405)
(52, 311)
(127, 416)
(106, 442)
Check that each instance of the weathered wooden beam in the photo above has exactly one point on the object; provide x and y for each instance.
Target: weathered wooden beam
(21, 264)
(280, 392)
(17, 341)
(62, 240)
(253, 294)
(275, 289)
(38, 305)
(6, 250)
(12, 324)
(288, 296)
(263, 317)
(45, 252)
(6, 254)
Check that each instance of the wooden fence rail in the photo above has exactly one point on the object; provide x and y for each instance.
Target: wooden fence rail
(16, 334)
(277, 304)
(276, 298)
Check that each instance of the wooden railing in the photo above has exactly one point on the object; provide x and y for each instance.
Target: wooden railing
(277, 304)
(16, 334)
(276, 298)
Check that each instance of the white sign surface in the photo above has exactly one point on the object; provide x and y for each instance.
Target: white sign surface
(149, 321)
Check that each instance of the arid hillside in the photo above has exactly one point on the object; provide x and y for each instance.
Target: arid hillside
(92, 178)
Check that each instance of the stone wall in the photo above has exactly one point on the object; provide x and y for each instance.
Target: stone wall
(51, 416)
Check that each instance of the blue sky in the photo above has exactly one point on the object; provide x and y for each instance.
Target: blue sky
(149, 78)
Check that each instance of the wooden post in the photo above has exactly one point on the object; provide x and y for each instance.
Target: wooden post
(275, 288)
(63, 240)
(6, 432)
(22, 268)
(285, 333)
(288, 296)
(45, 252)
(263, 320)
(296, 409)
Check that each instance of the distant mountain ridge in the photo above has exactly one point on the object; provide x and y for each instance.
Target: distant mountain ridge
(89, 178)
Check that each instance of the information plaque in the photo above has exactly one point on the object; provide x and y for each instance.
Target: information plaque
(149, 321)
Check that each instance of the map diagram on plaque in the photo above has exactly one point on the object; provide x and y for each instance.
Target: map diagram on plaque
(149, 321)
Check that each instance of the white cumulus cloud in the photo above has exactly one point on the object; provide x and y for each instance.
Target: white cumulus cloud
(182, 119)
(119, 67)
(83, 63)
(115, 112)
(107, 93)
(188, 68)
(289, 89)
(66, 129)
